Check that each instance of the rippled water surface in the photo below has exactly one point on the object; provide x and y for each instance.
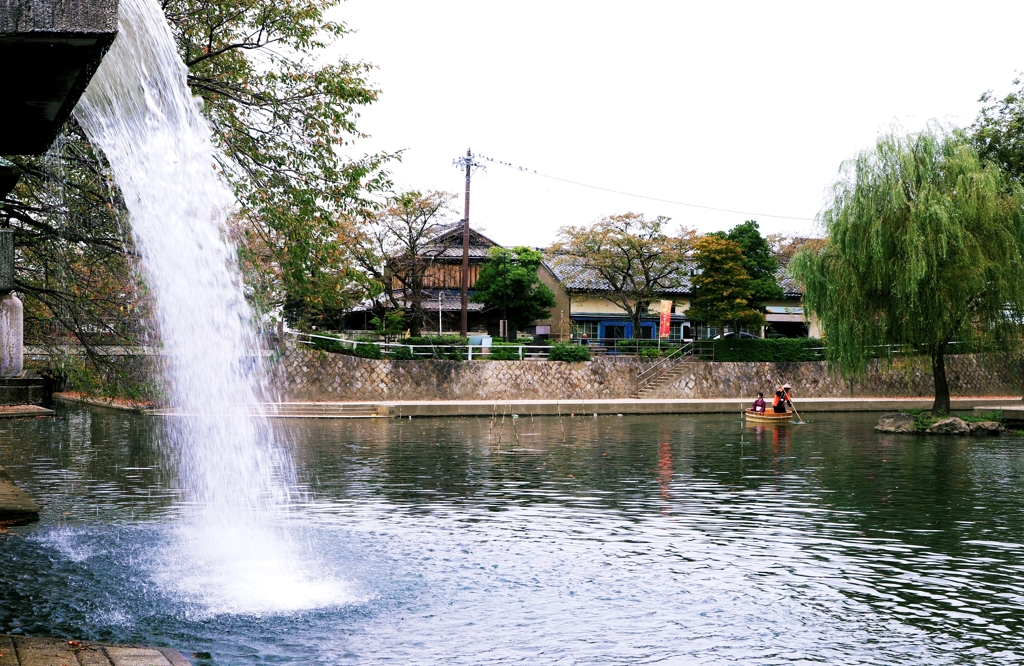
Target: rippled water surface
(615, 540)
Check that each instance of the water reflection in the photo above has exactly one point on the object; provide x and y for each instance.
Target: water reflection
(613, 540)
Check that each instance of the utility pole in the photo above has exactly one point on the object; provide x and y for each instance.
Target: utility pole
(467, 162)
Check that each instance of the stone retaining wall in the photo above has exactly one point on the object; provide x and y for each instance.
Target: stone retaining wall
(310, 375)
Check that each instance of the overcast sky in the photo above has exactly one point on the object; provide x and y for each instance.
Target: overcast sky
(749, 107)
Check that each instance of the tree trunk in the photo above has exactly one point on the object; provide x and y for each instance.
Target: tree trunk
(941, 405)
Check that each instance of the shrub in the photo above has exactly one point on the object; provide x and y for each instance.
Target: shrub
(505, 352)
(401, 353)
(334, 345)
(649, 353)
(630, 346)
(369, 350)
(769, 350)
(567, 351)
(436, 340)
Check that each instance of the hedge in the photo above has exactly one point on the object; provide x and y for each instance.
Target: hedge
(503, 353)
(567, 351)
(763, 350)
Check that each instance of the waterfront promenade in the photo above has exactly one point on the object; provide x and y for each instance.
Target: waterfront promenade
(431, 408)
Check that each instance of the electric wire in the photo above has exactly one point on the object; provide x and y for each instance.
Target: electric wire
(534, 172)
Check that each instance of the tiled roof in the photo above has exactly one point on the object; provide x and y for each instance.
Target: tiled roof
(447, 243)
(790, 287)
(451, 301)
(569, 270)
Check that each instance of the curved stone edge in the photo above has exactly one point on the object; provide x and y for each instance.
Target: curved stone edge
(15, 502)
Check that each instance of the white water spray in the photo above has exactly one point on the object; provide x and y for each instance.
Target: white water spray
(139, 111)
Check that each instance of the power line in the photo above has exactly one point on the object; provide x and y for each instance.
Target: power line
(640, 196)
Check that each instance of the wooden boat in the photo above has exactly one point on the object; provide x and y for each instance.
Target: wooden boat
(768, 417)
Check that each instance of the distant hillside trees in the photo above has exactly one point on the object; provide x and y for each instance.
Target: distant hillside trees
(925, 247)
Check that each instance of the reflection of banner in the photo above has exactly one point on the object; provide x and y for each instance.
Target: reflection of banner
(665, 325)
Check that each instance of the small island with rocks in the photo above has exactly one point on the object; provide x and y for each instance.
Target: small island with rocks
(922, 422)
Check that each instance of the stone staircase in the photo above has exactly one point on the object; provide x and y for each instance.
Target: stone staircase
(664, 371)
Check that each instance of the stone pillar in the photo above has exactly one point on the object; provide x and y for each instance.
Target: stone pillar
(12, 352)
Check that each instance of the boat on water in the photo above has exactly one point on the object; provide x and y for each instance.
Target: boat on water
(768, 417)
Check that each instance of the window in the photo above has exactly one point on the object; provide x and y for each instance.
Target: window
(581, 327)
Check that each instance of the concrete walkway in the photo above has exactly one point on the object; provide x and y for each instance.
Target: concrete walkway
(33, 651)
(15, 504)
(398, 409)
(404, 408)
(13, 411)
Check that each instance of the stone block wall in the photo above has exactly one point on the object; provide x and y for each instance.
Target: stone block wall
(310, 375)
(968, 375)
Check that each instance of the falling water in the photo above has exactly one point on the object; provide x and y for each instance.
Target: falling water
(234, 550)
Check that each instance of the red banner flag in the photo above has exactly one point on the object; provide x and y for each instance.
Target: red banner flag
(665, 325)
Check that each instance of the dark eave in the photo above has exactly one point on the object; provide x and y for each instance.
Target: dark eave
(49, 50)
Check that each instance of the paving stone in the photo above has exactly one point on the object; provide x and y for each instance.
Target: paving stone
(7, 655)
(136, 656)
(33, 651)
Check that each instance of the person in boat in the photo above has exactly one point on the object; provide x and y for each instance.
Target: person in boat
(781, 399)
(759, 404)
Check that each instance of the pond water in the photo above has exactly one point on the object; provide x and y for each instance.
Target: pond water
(610, 540)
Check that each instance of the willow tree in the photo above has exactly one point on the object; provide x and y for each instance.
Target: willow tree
(925, 247)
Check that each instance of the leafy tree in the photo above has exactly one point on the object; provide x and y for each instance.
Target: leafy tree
(722, 287)
(389, 324)
(758, 261)
(633, 255)
(508, 282)
(284, 122)
(399, 245)
(998, 131)
(925, 247)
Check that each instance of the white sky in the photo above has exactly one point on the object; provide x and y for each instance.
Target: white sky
(744, 106)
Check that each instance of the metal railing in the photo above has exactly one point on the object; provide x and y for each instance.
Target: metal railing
(435, 351)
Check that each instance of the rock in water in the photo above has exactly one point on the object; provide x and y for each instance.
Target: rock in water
(950, 426)
(986, 428)
(895, 423)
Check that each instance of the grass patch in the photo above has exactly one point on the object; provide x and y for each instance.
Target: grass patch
(922, 419)
(979, 418)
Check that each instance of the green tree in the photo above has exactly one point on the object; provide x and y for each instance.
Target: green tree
(634, 256)
(283, 118)
(758, 261)
(998, 131)
(508, 283)
(722, 290)
(925, 247)
(399, 246)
